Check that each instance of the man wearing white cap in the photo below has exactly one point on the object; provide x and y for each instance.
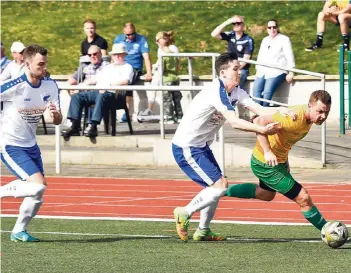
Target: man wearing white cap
(16, 67)
(116, 73)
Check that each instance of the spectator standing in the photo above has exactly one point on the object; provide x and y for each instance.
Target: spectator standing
(138, 51)
(4, 60)
(238, 42)
(275, 49)
(338, 13)
(92, 38)
(16, 67)
(172, 105)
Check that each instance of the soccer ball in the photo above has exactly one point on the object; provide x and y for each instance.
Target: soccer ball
(334, 234)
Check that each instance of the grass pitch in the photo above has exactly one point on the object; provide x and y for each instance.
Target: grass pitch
(133, 246)
(58, 25)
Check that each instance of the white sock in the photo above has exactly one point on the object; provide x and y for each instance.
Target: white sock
(206, 215)
(28, 209)
(204, 198)
(19, 188)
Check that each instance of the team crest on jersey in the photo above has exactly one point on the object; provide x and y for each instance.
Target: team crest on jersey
(135, 46)
(239, 47)
(46, 97)
(233, 102)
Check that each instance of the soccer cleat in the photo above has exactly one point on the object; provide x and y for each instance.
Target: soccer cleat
(23, 236)
(313, 47)
(182, 223)
(207, 235)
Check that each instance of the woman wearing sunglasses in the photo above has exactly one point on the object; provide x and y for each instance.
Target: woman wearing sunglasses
(275, 49)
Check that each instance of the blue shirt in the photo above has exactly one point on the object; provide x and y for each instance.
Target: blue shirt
(242, 46)
(4, 63)
(135, 49)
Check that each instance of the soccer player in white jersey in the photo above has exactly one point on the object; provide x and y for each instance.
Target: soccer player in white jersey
(205, 116)
(25, 99)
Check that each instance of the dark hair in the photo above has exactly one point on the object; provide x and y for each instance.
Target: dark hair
(223, 60)
(90, 21)
(32, 50)
(170, 37)
(273, 20)
(320, 95)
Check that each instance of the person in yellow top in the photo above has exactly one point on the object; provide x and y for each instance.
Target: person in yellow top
(269, 161)
(338, 13)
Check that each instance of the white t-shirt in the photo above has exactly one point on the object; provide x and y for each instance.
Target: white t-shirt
(172, 48)
(203, 117)
(276, 51)
(24, 105)
(12, 71)
(114, 73)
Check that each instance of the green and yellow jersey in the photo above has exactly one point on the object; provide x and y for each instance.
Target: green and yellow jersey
(340, 4)
(290, 133)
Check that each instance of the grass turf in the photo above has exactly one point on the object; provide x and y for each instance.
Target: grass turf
(57, 25)
(269, 249)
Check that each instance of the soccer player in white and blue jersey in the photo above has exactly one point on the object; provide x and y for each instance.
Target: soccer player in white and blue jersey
(25, 100)
(205, 116)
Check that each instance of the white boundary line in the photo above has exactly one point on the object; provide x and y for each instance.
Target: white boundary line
(159, 220)
(249, 240)
(335, 183)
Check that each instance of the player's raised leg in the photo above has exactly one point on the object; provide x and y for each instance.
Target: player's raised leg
(198, 164)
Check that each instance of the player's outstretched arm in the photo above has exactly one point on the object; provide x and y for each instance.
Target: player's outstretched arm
(235, 122)
(269, 156)
(266, 111)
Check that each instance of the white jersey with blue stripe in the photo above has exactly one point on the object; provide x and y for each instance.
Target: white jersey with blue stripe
(203, 117)
(24, 104)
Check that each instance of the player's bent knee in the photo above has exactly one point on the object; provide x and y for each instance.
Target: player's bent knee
(264, 195)
(221, 183)
(303, 198)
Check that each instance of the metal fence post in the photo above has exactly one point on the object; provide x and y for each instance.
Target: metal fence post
(58, 148)
(162, 125)
(342, 95)
(349, 85)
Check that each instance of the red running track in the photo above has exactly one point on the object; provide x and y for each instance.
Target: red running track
(146, 198)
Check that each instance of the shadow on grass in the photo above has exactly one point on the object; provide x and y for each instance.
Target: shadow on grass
(104, 240)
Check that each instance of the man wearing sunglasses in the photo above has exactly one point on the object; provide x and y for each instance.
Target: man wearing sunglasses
(239, 43)
(15, 68)
(88, 97)
(138, 51)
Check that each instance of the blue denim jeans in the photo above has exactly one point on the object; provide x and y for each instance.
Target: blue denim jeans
(89, 98)
(265, 88)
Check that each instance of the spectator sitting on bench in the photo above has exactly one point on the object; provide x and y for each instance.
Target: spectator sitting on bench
(87, 76)
(116, 73)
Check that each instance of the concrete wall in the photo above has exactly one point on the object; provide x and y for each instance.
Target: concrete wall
(297, 93)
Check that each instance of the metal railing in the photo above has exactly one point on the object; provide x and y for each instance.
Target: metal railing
(342, 63)
(305, 72)
(63, 86)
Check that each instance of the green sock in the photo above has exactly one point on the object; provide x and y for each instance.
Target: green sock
(315, 217)
(247, 190)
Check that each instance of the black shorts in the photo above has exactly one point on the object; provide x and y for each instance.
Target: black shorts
(136, 77)
(291, 194)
